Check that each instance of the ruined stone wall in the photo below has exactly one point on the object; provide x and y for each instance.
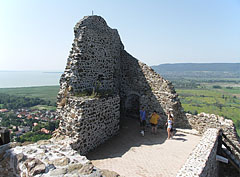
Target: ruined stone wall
(54, 157)
(203, 121)
(202, 161)
(93, 66)
(155, 92)
(98, 61)
(89, 121)
(94, 58)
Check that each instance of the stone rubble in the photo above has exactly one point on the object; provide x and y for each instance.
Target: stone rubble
(189, 131)
(54, 157)
(203, 122)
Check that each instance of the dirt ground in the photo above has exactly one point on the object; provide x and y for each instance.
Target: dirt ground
(131, 155)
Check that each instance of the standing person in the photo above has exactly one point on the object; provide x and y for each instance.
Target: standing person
(142, 120)
(169, 124)
(154, 121)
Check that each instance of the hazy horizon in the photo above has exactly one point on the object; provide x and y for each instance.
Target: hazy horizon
(58, 71)
(14, 79)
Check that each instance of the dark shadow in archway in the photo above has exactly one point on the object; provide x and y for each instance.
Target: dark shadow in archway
(132, 106)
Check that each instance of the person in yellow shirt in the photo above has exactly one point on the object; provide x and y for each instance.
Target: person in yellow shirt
(154, 121)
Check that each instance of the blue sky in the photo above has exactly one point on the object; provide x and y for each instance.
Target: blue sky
(37, 34)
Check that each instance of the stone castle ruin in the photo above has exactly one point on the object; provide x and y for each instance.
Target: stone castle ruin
(98, 64)
(103, 86)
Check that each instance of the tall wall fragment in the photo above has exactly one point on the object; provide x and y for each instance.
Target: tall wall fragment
(98, 64)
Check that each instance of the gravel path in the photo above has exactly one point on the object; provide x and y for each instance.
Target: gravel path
(131, 155)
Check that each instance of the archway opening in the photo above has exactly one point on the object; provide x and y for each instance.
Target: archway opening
(132, 106)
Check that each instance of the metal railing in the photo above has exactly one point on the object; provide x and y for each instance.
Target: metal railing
(229, 152)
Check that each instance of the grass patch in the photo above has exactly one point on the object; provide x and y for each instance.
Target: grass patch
(33, 137)
(48, 93)
(44, 107)
(223, 102)
(91, 93)
(214, 101)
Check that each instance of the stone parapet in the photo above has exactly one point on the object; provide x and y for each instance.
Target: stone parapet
(54, 157)
(202, 161)
(203, 122)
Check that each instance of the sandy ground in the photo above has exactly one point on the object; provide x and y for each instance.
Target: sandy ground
(131, 155)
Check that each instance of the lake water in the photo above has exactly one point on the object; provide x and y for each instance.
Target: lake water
(9, 79)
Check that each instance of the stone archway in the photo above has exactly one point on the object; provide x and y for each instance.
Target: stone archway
(132, 105)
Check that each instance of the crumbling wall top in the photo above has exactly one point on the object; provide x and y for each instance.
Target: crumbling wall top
(93, 21)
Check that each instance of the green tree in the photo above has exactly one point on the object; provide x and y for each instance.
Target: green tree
(217, 87)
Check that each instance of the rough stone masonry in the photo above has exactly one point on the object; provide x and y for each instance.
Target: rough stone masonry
(99, 63)
(100, 84)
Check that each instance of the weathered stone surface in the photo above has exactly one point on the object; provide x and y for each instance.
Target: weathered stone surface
(58, 160)
(38, 169)
(94, 122)
(34, 166)
(20, 157)
(107, 173)
(86, 169)
(203, 122)
(58, 172)
(98, 62)
(43, 142)
(74, 167)
(61, 161)
(202, 161)
(3, 150)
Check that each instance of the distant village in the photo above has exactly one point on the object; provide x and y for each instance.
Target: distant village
(28, 119)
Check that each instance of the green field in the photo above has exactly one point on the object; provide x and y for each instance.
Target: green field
(48, 93)
(223, 102)
(206, 87)
(44, 107)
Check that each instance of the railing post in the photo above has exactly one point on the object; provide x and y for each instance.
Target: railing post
(5, 136)
(219, 148)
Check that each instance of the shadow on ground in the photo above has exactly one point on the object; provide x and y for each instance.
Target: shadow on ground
(128, 137)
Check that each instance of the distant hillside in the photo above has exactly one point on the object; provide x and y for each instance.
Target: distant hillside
(222, 70)
(231, 67)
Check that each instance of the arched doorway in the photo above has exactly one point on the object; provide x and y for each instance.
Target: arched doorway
(132, 106)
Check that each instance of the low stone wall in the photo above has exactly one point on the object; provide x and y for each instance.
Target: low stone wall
(203, 121)
(202, 161)
(89, 121)
(53, 157)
